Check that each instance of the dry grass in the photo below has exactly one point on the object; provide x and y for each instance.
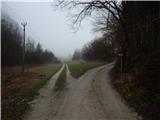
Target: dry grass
(18, 89)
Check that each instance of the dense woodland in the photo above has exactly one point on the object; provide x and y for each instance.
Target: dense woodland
(12, 41)
(132, 29)
(140, 83)
(97, 50)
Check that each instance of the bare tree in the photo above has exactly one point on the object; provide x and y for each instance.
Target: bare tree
(109, 12)
(86, 8)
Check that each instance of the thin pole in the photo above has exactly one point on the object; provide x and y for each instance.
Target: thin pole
(23, 51)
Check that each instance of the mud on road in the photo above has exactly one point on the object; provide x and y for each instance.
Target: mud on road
(90, 97)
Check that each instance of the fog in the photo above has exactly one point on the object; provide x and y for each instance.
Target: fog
(50, 27)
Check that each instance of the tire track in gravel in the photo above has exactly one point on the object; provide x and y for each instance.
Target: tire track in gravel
(90, 97)
(42, 106)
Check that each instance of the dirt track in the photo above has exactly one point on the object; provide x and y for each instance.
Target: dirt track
(90, 97)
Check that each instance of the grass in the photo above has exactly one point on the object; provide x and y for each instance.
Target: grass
(61, 81)
(78, 68)
(19, 89)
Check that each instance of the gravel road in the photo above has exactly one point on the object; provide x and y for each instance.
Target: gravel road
(90, 97)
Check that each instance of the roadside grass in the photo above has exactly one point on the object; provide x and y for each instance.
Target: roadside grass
(22, 88)
(61, 81)
(140, 84)
(78, 68)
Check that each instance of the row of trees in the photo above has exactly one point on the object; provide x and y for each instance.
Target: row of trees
(36, 54)
(100, 49)
(11, 46)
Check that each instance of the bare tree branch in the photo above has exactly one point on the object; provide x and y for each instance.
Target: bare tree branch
(87, 7)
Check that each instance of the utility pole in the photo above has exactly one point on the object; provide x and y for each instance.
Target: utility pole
(23, 52)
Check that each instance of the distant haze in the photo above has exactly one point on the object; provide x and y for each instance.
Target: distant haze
(49, 26)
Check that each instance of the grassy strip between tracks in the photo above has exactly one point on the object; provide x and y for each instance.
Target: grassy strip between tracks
(61, 81)
(79, 68)
(18, 89)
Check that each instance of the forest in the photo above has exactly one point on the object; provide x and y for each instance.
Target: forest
(98, 49)
(131, 36)
(12, 46)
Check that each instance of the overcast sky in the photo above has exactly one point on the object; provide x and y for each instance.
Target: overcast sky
(49, 26)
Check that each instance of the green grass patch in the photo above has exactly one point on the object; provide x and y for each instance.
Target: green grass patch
(61, 81)
(45, 73)
(78, 68)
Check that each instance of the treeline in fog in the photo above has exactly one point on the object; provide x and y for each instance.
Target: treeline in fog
(99, 49)
(12, 42)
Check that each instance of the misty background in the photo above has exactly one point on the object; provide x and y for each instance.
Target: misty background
(50, 27)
